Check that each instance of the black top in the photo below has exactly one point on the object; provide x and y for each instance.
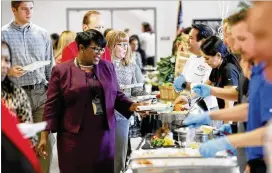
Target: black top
(226, 75)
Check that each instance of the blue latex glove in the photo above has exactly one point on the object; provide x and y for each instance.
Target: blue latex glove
(202, 90)
(210, 148)
(178, 83)
(196, 120)
(225, 128)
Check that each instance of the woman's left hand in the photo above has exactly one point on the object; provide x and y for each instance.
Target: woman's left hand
(134, 107)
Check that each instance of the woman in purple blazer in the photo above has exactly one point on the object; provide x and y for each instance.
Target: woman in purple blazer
(81, 99)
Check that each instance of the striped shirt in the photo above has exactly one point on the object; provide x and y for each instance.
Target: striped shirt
(29, 44)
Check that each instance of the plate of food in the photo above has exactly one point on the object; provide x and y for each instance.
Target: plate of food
(156, 107)
(163, 138)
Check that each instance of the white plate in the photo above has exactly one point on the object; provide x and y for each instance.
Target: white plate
(131, 86)
(157, 107)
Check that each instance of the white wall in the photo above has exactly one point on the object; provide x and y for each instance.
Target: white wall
(52, 15)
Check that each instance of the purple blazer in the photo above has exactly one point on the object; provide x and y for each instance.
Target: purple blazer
(66, 106)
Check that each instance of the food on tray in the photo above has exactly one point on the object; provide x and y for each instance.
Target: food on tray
(157, 142)
(177, 107)
(165, 152)
(163, 137)
(163, 131)
(206, 129)
(168, 141)
(194, 145)
(144, 162)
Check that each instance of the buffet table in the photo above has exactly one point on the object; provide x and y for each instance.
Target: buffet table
(178, 160)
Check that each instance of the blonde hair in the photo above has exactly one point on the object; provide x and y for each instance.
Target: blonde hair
(86, 18)
(115, 37)
(65, 38)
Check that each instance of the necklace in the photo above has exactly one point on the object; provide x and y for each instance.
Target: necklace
(80, 65)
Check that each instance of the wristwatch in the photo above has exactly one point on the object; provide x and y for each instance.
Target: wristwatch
(184, 85)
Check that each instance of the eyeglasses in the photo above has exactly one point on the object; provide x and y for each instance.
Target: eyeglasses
(123, 45)
(99, 27)
(97, 49)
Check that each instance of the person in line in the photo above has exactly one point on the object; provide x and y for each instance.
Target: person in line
(34, 45)
(55, 39)
(136, 56)
(147, 40)
(140, 50)
(134, 44)
(14, 96)
(66, 37)
(16, 152)
(125, 67)
(106, 32)
(81, 99)
(91, 20)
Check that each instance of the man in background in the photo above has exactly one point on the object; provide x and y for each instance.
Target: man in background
(91, 20)
(29, 43)
(195, 70)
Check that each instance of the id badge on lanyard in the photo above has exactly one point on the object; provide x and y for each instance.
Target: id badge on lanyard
(96, 101)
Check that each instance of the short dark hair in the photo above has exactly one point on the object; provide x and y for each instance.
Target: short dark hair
(131, 39)
(147, 27)
(213, 45)
(237, 17)
(54, 36)
(86, 37)
(16, 4)
(204, 31)
(187, 30)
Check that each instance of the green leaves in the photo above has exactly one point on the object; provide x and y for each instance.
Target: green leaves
(166, 69)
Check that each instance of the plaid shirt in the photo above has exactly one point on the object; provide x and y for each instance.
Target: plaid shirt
(29, 44)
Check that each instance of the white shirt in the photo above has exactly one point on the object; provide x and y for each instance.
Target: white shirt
(196, 70)
(148, 43)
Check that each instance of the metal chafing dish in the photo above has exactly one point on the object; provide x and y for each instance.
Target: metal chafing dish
(200, 136)
(183, 165)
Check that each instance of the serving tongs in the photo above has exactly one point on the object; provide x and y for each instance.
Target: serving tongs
(189, 111)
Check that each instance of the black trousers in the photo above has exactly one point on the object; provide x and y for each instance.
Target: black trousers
(129, 150)
(149, 61)
(257, 166)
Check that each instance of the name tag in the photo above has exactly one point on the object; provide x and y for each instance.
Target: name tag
(97, 107)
